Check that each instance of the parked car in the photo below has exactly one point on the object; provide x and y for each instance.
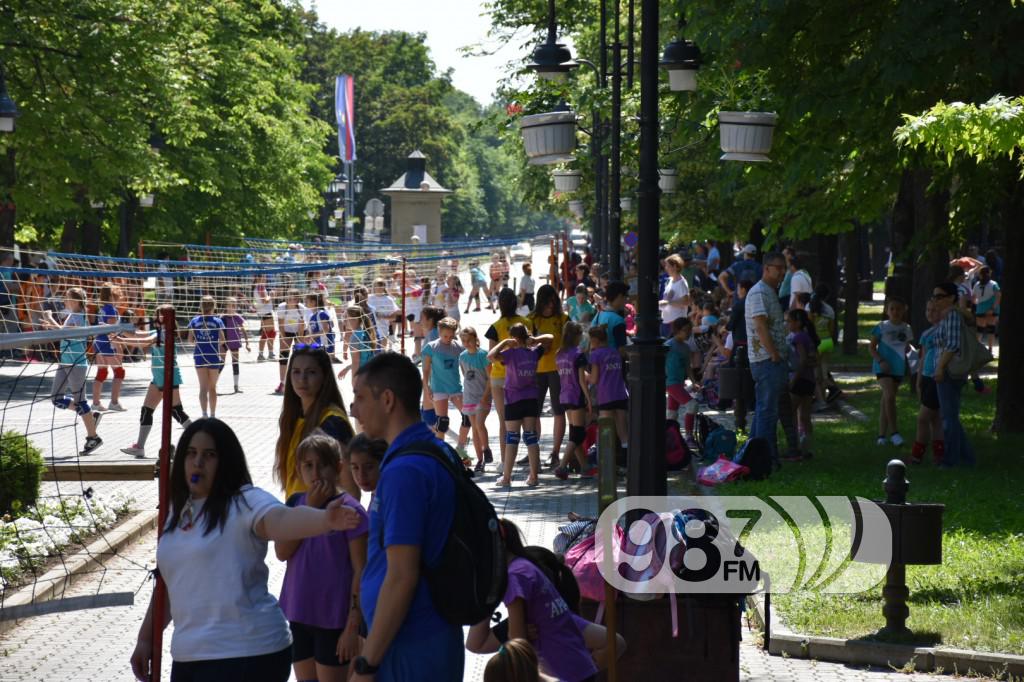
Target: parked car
(522, 251)
(579, 239)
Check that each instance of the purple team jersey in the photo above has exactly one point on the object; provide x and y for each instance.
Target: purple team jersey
(568, 362)
(611, 385)
(318, 583)
(560, 645)
(232, 334)
(520, 373)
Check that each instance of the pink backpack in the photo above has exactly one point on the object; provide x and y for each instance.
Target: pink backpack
(721, 471)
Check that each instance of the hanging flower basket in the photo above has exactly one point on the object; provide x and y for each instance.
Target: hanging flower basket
(549, 138)
(576, 208)
(567, 181)
(668, 180)
(626, 203)
(746, 135)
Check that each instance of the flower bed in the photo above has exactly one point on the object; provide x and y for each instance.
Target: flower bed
(41, 533)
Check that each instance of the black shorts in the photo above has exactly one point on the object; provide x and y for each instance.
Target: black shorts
(320, 644)
(614, 405)
(929, 392)
(521, 409)
(550, 383)
(802, 387)
(275, 667)
(898, 380)
(581, 405)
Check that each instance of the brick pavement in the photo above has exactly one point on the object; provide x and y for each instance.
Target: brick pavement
(95, 645)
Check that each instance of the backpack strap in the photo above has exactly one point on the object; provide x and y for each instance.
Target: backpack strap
(425, 448)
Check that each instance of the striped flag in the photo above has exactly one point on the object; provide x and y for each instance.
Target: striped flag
(345, 109)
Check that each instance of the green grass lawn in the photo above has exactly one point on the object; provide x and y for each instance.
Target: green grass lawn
(975, 599)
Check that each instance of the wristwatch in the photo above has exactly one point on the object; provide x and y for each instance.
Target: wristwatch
(363, 667)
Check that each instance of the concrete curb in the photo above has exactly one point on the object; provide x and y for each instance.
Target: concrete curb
(55, 581)
(785, 642)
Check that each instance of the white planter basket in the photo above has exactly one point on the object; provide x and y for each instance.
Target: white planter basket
(668, 180)
(567, 181)
(626, 203)
(746, 135)
(549, 138)
(576, 208)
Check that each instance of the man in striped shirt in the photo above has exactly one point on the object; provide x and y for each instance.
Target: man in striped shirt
(958, 448)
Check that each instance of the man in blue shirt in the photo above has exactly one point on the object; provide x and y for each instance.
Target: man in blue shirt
(745, 268)
(410, 518)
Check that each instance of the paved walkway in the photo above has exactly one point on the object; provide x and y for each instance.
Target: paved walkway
(95, 645)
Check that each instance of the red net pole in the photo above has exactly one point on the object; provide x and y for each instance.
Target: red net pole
(405, 293)
(160, 594)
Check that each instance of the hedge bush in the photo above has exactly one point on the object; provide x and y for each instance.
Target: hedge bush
(21, 472)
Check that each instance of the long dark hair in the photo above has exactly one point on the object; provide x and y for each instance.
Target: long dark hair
(805, 324)
(291, 409)
(507, 302)
(546, 295)
(550, 565)
(232, 473)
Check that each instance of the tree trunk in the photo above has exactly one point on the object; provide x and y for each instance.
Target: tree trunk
(1010, 392)
(931, 235)
(900, 283)
(70, 236)
(851, 267)
(91, 235)
(826, 255)
(8, 173)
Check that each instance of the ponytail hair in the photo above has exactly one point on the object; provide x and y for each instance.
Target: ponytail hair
(805, 324)
(551, 566)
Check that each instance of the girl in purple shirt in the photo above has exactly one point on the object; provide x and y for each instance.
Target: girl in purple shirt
(320, 594)
(575, 398)
(606, 373)
(542, 594)
(520, 353)
(234, 332)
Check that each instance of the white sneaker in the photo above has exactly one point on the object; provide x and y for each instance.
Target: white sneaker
(260, 358)
(98, 407)
(896, 439)
(134, 450)
(880, 441)
(115, 407)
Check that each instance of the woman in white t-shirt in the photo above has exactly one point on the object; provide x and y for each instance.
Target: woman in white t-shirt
(212, 559)
(676, 303)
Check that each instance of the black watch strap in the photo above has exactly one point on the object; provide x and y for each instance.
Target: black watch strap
(363, 667)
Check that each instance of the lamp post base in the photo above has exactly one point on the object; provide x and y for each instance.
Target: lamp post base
(646, 466)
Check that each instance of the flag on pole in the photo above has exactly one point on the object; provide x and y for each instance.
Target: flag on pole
(345, 109)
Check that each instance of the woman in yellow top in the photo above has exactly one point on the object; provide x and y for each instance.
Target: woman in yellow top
(547, 318)
(496, 333)
(311, 400)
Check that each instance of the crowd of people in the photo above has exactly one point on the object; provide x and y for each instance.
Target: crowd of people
(358, 525)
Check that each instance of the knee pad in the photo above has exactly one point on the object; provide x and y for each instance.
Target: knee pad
(530, 438)
(82, 408)
(146, 417)
(442, 424)
(234, 366)
(512, 438)
(101, 374)
(577, 434)
(119, 372)
(178, 412)
(63, 403)
(465, 421)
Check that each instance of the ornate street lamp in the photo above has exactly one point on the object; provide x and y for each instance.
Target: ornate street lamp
(338, 185)
(681, 59)
(357, 185)
(552, 60)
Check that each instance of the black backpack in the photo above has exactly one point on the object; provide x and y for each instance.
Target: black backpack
(756, 455)
(469, 579)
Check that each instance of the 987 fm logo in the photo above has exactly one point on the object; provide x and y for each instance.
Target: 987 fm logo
(736, 545)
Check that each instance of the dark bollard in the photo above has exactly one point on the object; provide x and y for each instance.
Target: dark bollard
(916, 540)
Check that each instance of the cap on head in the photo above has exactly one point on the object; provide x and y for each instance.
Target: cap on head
(750, 249)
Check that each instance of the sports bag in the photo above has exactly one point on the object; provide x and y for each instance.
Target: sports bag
(972, 356)
(756, 456)
(677, 455)
(469, 578)
(721, 442)
(721, 471)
